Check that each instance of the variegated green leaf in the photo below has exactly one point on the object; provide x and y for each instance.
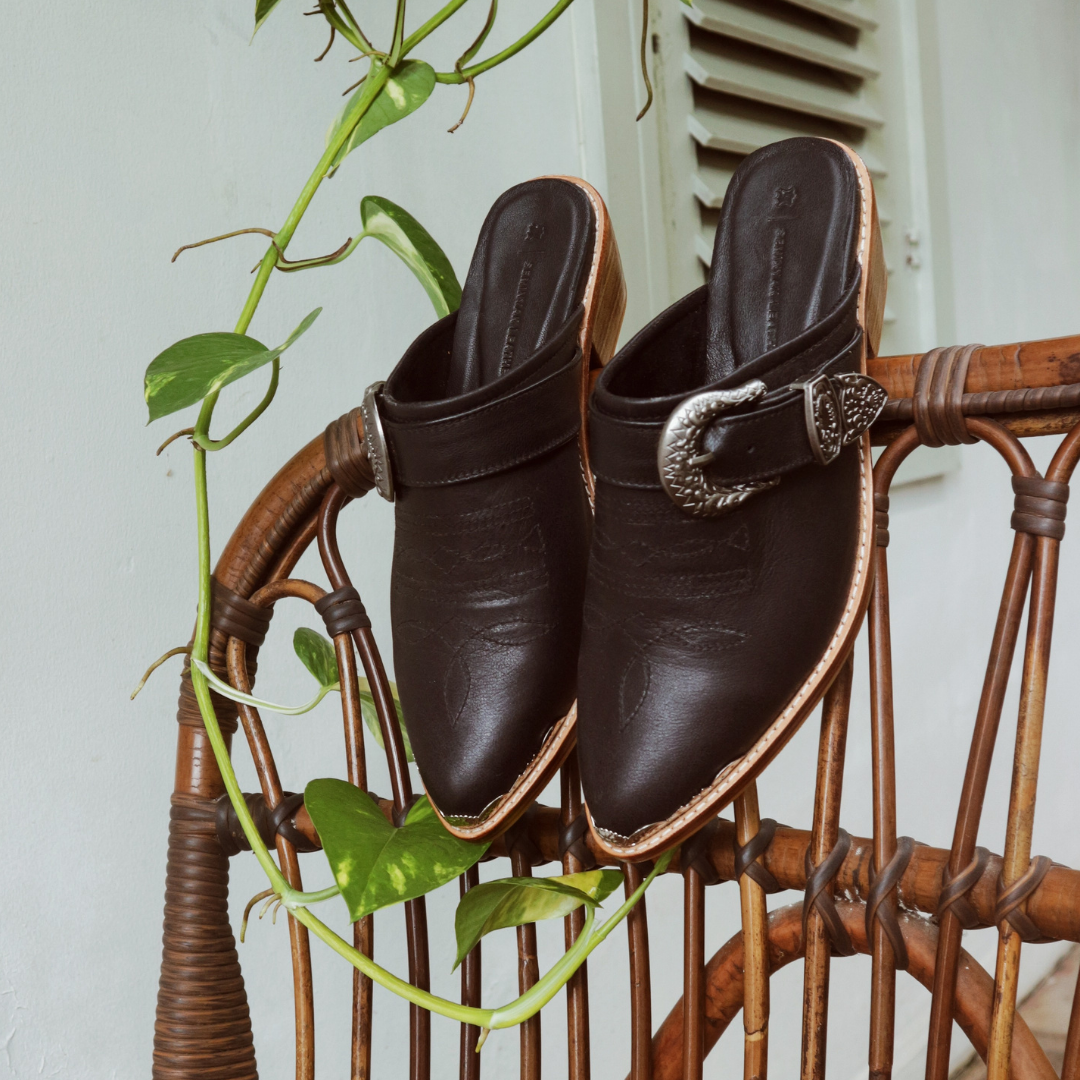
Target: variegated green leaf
(374, 864)
(517, 901)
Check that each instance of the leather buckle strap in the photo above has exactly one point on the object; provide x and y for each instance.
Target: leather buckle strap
(485, 440)
(802, 423)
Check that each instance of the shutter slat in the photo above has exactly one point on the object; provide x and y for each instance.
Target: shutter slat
(717, 130)
(851, 12)
(775, 87)
(767, 31)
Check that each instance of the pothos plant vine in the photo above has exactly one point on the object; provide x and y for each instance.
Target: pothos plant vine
(375, 864)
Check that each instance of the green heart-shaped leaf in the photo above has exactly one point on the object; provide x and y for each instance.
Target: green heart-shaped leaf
(517, 901)
(262, 9)
(374, 864)
(371, 719)
(405, 91)
(317, 655)
(413, 244)
(194, 367)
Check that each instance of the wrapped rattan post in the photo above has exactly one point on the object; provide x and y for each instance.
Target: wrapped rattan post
(824, 842)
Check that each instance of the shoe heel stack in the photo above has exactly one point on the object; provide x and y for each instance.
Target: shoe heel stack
(605, 305)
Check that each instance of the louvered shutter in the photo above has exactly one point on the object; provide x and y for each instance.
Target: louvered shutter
(763, 70)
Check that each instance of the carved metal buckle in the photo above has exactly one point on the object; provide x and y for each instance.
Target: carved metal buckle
(681, 456)
(838, 410)
(375, 441)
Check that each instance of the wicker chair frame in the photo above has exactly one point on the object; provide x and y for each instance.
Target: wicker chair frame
(888, 883)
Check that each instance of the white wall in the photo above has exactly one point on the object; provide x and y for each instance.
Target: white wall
(133, 128)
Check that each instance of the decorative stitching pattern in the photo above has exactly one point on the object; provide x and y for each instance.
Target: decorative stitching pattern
(731, 774)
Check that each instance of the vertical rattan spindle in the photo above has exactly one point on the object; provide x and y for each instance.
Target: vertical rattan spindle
(637, 931)
(528, 974)
(755, 931)
(1025, 780)
(883, 752)
(693, 974)
(823, 840)
(577, 989)
(470, 992)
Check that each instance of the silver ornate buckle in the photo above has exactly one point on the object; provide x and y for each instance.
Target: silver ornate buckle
(375, 441)
(838, 410)
(681, 456)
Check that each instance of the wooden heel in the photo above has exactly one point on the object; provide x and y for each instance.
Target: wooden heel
(877, 283)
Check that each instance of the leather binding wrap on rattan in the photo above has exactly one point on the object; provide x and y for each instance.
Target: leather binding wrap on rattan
(883, 884)
(881, 519)
(1040, 506)
(269, 823)
(519, 840)
(996, 402)
(954, 891)
(572, 840)
(203, 1029)
(346, 455)
(747, 854)
(236, 617)
(343, 611)
(937, 404)
(817, 879)
(399, 816)
(695, 854)
(1009, 900)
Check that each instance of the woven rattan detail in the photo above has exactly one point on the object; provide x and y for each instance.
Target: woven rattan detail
(882, 885)
(572, 841)
(746, 856)
(203, 1029)
(236, 617)
(346, 455)
(343, 611)
(270, 824)
(996, 403)
(695, 854)
(938, 402)
(881, 520)
(1039, 506)
(187, 707)
(816, 898)
(401, 814)
(1009, 900)
(519, 840)
(954, 891)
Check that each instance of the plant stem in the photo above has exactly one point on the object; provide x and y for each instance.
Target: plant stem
(430, 26)
(200, 649)
(399, 36)
(493, 61)
(517, 1011)
(201, 437)
(376, 80)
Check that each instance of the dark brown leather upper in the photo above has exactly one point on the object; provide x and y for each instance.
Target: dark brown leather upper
(697, 630)
(481, 420)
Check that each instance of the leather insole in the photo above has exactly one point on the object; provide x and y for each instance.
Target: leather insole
(786, 250)
(528, 274)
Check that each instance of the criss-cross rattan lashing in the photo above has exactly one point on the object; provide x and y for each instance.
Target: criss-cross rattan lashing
(890, 886)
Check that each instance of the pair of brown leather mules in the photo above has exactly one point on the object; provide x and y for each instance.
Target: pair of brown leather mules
(663, 558)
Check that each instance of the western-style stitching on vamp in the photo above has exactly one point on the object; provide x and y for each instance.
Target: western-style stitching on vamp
(710, 794)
